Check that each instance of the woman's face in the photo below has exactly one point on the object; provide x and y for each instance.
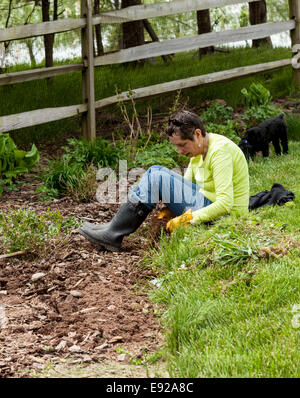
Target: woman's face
(188, 148)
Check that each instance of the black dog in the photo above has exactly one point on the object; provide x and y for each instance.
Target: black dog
(258, 138)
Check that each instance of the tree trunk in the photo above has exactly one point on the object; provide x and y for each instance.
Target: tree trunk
(133, 32)
(29, 45)
(6, 43)
(98, 35)
(49, 39)
(204, 26)
(257, 15)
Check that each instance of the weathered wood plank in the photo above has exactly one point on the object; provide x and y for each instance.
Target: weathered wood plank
(194, 42)
(39, 116)
(294, 12)
(38, 29)
(135, 13)
(41, 73)
(118, 16)
(222, 76)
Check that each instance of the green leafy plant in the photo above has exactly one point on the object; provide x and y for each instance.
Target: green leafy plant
(164, 154)
(100, 153)
(62, 175)
(257, 99)
(217, 113)
(229, 130)
(24, 229)
(257, 114)
(75, 173)
(14, 161)
(256, 95)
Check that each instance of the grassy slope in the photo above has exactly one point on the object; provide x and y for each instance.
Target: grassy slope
(66, 90)
(227, 308)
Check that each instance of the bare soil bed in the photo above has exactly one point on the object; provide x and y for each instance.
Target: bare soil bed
(87, 303)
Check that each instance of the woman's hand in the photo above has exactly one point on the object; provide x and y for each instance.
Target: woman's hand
(165, 213)
(184, 219)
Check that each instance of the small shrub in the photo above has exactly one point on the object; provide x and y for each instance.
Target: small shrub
(257, 95)
(100, 153)
(61, 176)
(86, 187)
(23, 229)
(164, 154)
(229, 130)
(257, 114)
(13, 161)
(217, 113)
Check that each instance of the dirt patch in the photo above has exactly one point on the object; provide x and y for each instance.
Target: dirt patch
(83, 306)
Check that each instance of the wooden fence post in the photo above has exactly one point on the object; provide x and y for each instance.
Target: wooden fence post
(294, 10)
(88, 88)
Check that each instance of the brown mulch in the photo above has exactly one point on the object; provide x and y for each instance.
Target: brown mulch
(87, 303)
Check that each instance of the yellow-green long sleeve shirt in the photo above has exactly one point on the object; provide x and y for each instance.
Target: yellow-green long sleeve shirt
(223, 178)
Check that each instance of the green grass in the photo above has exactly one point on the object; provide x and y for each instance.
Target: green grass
(226, 300)
(66, 90)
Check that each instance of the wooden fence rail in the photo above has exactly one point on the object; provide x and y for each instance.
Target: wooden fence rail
(191, 43)
(32, 118)
(85, 23)
(133, 13)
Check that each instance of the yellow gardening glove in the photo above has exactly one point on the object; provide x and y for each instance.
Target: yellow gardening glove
(165, 213)
(184, 219)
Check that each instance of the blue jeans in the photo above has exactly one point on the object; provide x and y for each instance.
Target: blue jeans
(162, 184)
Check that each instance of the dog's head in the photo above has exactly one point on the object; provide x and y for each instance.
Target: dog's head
(246, 147)
(249, 141)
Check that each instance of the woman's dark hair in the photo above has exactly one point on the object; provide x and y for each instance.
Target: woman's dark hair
(184, 123)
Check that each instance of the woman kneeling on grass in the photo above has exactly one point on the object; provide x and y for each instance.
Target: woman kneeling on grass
(215, 183)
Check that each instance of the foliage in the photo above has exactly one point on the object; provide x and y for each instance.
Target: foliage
(61, 176)
(256, 95)
(23, 229)
(257, 99)
(75, 173)
(164, 154)
(217, 113)
(293, 125)
(257, 114)
(13, 161)
(100, 153)
(228, 129)
(85, 189)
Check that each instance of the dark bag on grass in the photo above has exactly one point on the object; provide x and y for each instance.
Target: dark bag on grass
(278, 195)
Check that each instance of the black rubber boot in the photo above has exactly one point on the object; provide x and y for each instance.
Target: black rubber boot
(126, 221)
(95, 227)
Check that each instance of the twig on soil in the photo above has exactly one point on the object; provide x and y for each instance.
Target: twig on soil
(78, 283)
(19, 253)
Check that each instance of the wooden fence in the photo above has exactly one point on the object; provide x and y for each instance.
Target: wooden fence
(134, 13)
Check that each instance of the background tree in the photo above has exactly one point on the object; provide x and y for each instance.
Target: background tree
(98, 35)
(133, 32)
(49, 39)
(257, 15)
(204, 26)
